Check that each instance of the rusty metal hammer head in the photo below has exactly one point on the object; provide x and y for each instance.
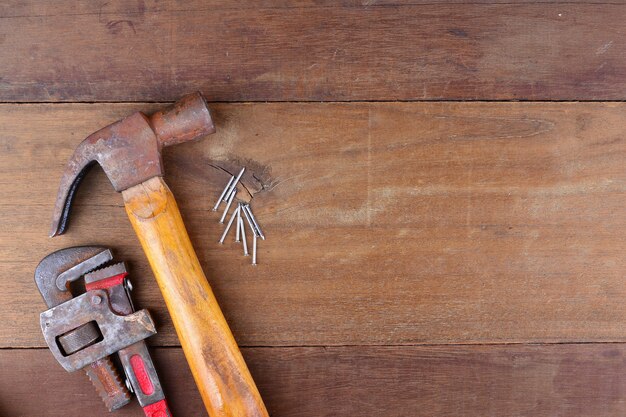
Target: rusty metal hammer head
(129, 150)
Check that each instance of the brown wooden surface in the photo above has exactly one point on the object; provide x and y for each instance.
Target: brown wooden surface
(434, 258)
(310, 51)
(514, 381)
(386, 223)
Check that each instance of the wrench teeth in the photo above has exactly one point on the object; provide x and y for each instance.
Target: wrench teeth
(106, 272)
(108, 383)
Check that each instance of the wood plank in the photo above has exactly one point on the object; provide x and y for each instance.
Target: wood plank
(277, 52)
(387, 223)
(20, 8)
(516, 381)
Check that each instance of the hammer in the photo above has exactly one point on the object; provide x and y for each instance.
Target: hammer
(129, 152)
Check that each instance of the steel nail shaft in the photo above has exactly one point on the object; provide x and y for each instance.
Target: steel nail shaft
(230, 222)
(254, 250)
(259, 232)
(243, 237)
(232, 178)
(248, 219)
(230, 201)
(237, 231)
(234, 184)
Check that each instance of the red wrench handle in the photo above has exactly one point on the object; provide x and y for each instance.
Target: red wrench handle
(158, 409)
(135, 359)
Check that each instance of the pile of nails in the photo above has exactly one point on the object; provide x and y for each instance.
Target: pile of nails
(242, 210)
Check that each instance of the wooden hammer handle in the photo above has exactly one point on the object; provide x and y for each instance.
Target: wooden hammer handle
(218, 368)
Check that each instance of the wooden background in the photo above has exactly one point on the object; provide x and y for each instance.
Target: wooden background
(442, 185)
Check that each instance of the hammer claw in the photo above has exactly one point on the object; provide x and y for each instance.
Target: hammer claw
(69, 184)
(129, 150)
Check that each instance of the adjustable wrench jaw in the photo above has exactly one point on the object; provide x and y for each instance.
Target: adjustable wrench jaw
(55, 272)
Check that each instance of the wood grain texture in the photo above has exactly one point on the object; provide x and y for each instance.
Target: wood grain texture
(20, 8)
(387, 223)
(311, 51)
(513, 381)
(222, 377)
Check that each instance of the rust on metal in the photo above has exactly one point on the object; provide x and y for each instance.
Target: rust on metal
(65, 266)
(117, 331)
(108, 383)
(58, 264)
(129, 150)
(83, 332)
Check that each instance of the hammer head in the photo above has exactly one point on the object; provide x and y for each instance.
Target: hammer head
(129, 150)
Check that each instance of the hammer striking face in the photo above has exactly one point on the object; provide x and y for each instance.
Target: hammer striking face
(129, 150)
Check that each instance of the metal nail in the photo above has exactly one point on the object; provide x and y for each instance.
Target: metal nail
(259, 232)
(230, 201)
(232, 178)
(238, 221)
(229, 194)
(230, 222)
(234, 184)
(254, 250)
(243, 237)
(248, 219)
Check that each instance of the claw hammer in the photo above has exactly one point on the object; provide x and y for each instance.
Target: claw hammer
(129, 152)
